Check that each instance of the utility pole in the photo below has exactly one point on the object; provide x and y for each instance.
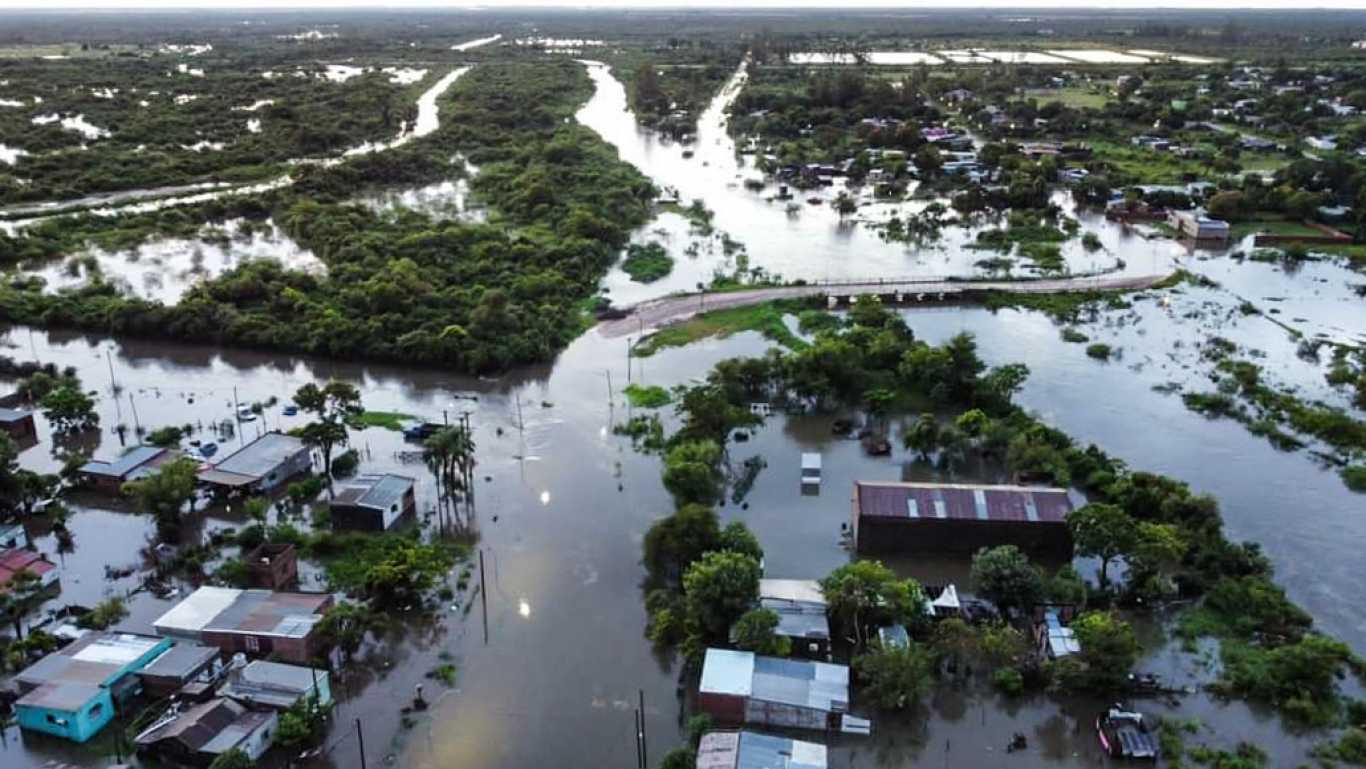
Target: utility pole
(644, 749)
(360, 739)
(137, 426)
(236, 412)
(113, 386)
(609, 383)
(484, 595)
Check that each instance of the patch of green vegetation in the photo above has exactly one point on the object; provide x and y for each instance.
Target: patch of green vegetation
(765, 318)
(445, 673)
(1099, 351)
(1076, 97)
(388, 420)
(1074, 336)
(1355, 477)
(647, 263)
(1046, 257)
(396, 568)
(645, 431)
(647, 396)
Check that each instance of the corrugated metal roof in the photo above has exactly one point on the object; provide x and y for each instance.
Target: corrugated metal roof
(124, 464)
(273, 684)
(962, 502)
(259, 612)
(726, 671)
(798, 682)
(378, 492)
(180, 660)
(799, 619)
(13, 415)
(807, 590)
(67, 678)
(258, 458)
(751, 750)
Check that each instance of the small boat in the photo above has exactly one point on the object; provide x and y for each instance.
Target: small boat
(291, 410)
(814, 201)
(1124, 734)
(208, 449)
(687, 153)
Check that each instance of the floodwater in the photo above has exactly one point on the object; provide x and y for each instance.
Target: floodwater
(797, 240)
(162, 270)
(562, 504)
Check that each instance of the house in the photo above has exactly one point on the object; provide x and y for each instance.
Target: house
(138, 462)
(1256, 143)
(751, 750)
(186, 670)
(272, 566)
(201, 733)
(801, 608)
(958, 95)
(741, 687)
(271, 685)
(257, 622)
(1052, 639)
(261, 465)
(373, 502)
(73, 692)
(15, 560)
(18, 424)
(1196, 226)
(893, 517)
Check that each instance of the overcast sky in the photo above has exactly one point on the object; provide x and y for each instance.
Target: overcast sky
(287, 4)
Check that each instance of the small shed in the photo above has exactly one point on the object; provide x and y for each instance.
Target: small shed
(751, 750)
(801, 610)
(373, 502)
(273, 565)
(13, 535)
(811, 469)
(1054, 639)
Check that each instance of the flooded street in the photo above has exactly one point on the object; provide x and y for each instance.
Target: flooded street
(562, 504)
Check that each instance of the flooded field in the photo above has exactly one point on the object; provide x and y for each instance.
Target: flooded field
(562, 504)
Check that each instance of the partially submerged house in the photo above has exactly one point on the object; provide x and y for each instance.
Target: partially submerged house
(373, 502)
(1195, 225)
(256, 622)
(187, 670)
(1054, 640)
(201, 733)
(811, 469)
(261, 465)
(18, 424)
(73, 692)
(741, 687)
(272, 685)
(890, 516)
(138, 462)
(801, 610)
(15, 560)
(751, 750)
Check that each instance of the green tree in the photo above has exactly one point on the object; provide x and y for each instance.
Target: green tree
(1109, 650)
(17, 598)
(1157, 552)
(1004, 576)
(674, 542)
(1229, 206)
(345, 625)
(105, 614)
(235, 758)
(450, 453)
(864, 594)
(955, 641)
(332, 405)
(718, 588)
(737, 538)
(679, 758)
(69, 409)
(923, 435)
(165, 493)
(1102, 531)
(692, 472)
(895, 678)
(755, 631)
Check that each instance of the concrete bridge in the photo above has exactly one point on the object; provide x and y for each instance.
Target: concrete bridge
(656, 313)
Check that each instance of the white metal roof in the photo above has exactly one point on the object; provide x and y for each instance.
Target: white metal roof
(726, 671)
(117, 649)
(811, 461)
(197, 610)
(808, 590)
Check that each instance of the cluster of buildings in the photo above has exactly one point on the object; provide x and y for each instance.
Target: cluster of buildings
(806, 690)
(198, 662)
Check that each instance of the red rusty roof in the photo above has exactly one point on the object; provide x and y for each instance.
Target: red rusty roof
(16, 560)
(969, 502)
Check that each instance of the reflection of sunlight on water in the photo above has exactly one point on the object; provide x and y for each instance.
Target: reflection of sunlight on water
(524, 608)
(545, 497)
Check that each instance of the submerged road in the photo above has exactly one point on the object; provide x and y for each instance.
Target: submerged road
(656, 313)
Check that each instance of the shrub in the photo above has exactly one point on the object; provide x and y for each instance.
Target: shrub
(1099, 351)
(1008, 681)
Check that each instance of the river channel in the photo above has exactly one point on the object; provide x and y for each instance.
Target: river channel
(562, 504)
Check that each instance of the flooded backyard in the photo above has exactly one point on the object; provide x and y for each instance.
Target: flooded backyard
(562, 504)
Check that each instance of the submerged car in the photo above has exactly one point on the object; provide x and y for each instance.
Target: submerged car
(1124, 734)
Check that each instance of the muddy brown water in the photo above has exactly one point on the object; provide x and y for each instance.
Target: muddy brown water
(562, 506)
